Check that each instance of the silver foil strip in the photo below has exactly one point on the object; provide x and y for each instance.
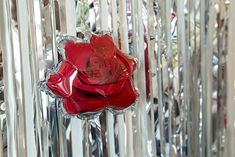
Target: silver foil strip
(125, 133)
(9, 73)
(230, 76)
(143, 138)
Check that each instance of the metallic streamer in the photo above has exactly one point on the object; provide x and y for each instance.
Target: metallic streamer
(171, 86)
(150, 70)
(160, 87)
(37, 67)
(124, 128)
(53, 30)
(27, 108)
(230, 77)
(141, 136)
(207, 27)
(9, 79)
(222, 45)
(184, 60)
(193, 70)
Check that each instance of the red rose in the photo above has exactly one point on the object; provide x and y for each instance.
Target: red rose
(94, 76)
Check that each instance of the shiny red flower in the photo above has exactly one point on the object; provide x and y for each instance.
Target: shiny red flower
(94, 76)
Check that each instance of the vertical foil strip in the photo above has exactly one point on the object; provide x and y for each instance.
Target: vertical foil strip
(208, 19)
(184, 69)
(27, 108)
(37, 67)
(223, 29)
(165, 76)
(167, 21)
(144, 140)
(160, 85)
(150, 74)
(230, 79)
(9, 77)
(123, 135)
(191, 79)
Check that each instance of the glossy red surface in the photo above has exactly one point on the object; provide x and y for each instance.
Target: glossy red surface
(94, 76)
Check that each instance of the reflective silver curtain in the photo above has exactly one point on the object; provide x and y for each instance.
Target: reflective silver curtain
(185, 76)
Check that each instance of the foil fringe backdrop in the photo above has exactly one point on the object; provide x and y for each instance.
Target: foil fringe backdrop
(185, 77)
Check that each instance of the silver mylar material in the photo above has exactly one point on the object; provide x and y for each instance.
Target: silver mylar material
(26, 109)
(207, 26)
(124, 130)
(230, 126)
(30, 52)
(201, 38)
(184, 69)
(152, 64)
(222, 10)
(160, 124)
(188, 70)
(143, 137)
(204, 83)
(9, 79)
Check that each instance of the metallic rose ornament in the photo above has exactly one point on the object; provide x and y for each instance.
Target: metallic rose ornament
(93, 76)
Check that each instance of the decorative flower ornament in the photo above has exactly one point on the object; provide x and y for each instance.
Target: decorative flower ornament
(93, 77)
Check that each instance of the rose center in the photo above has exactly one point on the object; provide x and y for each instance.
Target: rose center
(96, 67)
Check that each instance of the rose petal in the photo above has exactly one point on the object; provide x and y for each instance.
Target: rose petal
(103, 45)
(125, 98)
(97, 70)
(67, 69)
(69, 107)
(79, 55)
(115, 71)
(87, 102)
(69, 46)
(129, 64)
(59, 85)
(109, 73)
(104, 90)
